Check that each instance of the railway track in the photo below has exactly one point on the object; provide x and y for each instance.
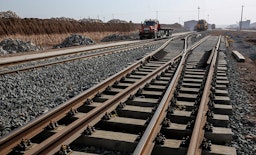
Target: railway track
(196, 119)
(26, 62)
(156, 106)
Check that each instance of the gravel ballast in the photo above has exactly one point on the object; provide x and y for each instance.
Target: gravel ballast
(26, 95)
(241, 107)
(243, 129)
(242, 90)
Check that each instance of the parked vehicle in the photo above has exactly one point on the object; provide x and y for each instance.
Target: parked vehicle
(152, 29)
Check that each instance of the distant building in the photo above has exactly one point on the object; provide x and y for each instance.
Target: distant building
(213, 26)
(233, 26)
(209, 26)
(253, 25)
(245, 24)
(190, 24)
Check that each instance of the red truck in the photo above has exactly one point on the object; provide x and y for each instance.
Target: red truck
(152, 29)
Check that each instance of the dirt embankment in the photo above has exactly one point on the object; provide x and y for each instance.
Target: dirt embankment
(50, 32)
(32, 26)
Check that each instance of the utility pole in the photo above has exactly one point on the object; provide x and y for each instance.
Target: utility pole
(156, 14)
(241, 18)
(198, 12)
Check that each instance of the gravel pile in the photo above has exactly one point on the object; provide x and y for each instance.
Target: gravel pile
(115, 37)
(26, 95)
(2, 51)
(9, 46)
(8, 14)
(75, 40)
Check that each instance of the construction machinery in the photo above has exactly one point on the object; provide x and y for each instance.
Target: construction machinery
(201, 25)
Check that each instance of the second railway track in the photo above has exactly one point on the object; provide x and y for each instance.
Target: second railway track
(173, 101)
(35, 60)
(26, 62)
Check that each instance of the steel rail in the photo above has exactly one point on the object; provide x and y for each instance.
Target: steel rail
(197, 134)
(146, 143)
(8, 142)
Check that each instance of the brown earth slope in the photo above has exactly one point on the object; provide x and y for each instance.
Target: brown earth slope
(50, 32)
(12, 26)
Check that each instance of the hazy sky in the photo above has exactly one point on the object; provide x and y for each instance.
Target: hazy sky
(220, 12)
